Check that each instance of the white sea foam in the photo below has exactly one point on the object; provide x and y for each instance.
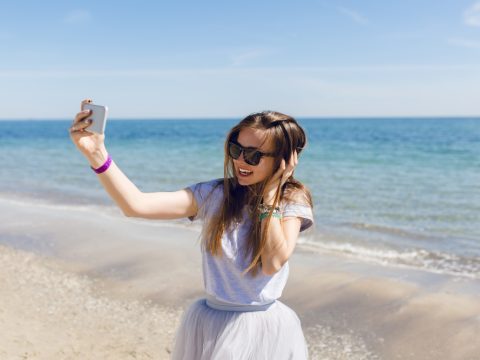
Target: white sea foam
(418, 259)
(412, 258)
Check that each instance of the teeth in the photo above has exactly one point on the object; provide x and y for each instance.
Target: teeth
(245, 171)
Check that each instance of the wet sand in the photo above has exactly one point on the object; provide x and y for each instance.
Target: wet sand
(80, 283)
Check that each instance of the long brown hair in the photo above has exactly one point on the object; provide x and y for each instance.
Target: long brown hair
(287, 136)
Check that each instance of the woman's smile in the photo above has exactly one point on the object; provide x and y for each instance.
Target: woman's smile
(244, 172)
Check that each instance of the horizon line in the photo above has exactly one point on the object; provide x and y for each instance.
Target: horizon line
(319, 117)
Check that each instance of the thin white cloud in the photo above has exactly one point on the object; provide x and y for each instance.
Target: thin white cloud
(466, 43)
(375, 90)
(221, 71)
(354, 15)
(471, 16)
(403, 35)
(245, 57)
(77, 17)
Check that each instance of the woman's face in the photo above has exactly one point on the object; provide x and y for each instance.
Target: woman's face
(254, 138)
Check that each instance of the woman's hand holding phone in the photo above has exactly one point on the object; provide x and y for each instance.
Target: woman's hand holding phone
(90, 144)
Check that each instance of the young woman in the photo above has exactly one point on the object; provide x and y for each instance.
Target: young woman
(251, 221)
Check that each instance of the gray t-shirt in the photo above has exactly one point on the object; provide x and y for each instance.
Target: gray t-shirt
(222, 276)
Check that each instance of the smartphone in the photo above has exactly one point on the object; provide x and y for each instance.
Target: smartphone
(98, 116)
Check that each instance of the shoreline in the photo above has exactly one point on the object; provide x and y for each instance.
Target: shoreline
(375, 311)
(324, 243)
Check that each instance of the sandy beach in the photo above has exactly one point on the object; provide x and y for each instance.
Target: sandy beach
(81, 283)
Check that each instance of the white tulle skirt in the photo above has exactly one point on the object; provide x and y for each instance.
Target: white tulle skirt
(210, 330)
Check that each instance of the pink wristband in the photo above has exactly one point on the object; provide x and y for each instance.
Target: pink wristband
(104, 167)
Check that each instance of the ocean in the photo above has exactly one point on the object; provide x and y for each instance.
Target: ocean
(401, 192)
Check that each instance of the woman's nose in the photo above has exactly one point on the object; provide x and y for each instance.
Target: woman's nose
(240, 157)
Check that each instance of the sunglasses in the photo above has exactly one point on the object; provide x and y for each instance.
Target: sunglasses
(251, 156)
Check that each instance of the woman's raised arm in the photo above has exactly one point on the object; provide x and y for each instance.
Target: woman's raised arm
(132, 202)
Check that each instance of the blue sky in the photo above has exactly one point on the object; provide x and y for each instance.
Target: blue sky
(169, 59)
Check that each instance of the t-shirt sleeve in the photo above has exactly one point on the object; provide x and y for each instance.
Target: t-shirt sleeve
(302, 211)
(203, 193)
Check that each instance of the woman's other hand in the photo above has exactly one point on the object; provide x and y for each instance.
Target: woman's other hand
(279, 178)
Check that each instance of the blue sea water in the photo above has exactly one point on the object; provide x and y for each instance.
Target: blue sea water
(396, 191)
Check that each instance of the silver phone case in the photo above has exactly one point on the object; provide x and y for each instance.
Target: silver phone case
(99, 117)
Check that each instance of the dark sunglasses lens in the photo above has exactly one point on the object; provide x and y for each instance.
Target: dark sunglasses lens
(234, 150)
(252, 157)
